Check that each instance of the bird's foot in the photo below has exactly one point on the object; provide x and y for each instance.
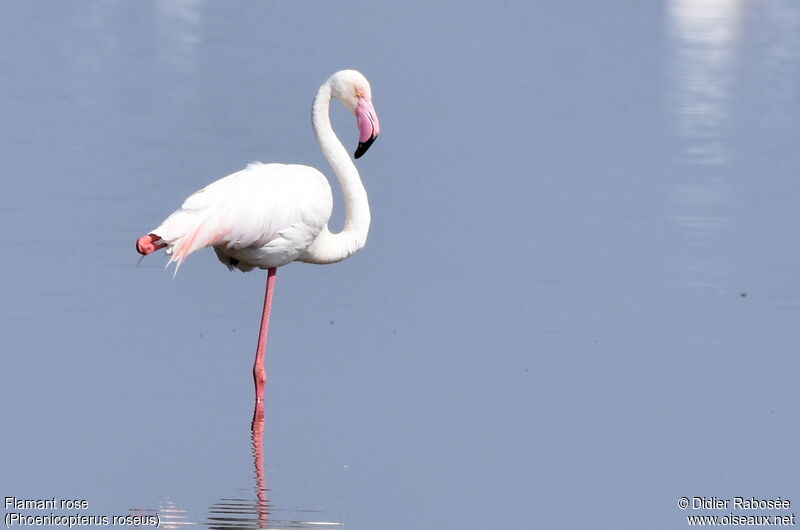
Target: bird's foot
(148, 244)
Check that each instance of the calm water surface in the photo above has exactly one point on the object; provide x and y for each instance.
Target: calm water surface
(579, 301)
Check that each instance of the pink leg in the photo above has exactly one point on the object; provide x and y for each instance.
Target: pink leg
(148, 244)
(259, 372)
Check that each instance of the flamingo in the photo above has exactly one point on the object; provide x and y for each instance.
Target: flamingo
(268, 215)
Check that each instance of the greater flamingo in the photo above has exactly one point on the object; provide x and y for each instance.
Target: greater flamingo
(268, 215)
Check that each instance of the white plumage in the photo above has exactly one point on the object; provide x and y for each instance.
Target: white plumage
(240, 217)
(268, 215)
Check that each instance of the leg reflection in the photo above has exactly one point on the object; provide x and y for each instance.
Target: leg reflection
(257, 435)
(245, 513)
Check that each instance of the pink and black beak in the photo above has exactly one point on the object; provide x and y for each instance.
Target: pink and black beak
(368, 125)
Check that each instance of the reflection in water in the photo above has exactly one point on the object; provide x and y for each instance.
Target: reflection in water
(179, 23)
(172, 516)
(247, 513)
(705, 35)
(707, 38)
(239, 513)
(179, 34)
(88, 58)
(782, 60)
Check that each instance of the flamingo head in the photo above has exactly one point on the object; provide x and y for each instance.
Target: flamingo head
(353, 90)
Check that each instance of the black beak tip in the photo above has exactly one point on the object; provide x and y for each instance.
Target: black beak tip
(363, 146)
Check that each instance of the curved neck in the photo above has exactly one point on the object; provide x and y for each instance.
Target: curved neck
(328, 247)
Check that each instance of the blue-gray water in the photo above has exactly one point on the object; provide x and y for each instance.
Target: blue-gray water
(579, 301)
